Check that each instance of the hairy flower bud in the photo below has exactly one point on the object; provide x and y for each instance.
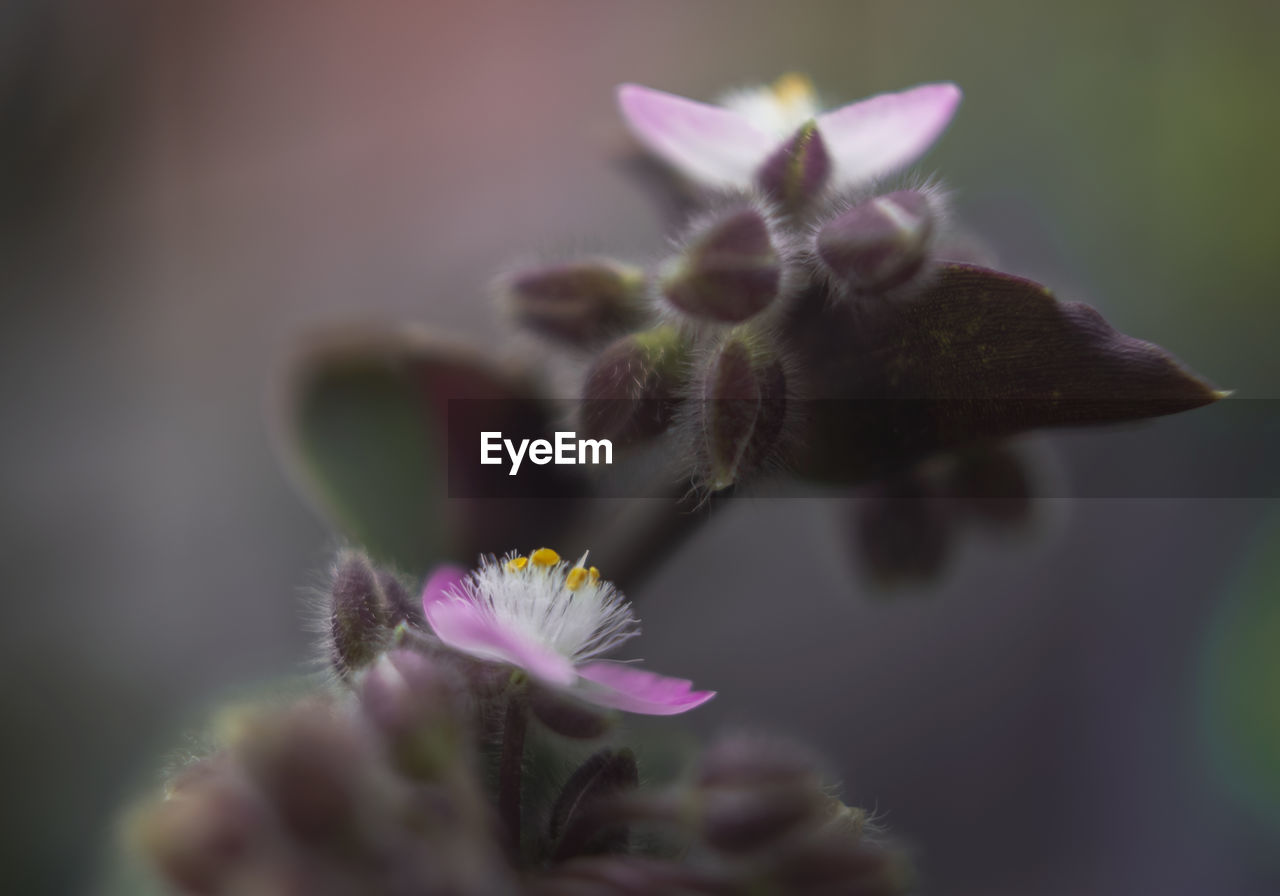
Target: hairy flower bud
(753, 790)
(309, 761)
(414, 702)
(733, 760)
(580, 823)
(744, 409)
(366, 606)
(202, 834)
(401, 605)
(730, 268)
(881, 243)
(743, 819)
(633, 387)
(798, 170)
(581, 303)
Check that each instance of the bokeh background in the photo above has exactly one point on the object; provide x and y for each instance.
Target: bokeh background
(187, 186)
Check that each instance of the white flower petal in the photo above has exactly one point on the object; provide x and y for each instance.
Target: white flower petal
(885, 133)
(712, 145)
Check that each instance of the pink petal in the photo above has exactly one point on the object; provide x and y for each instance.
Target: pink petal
(636, 690)
(465, 626)
(878, 136)
(710, 144)
(443, 579)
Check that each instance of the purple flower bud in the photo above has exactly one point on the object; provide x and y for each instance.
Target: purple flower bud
(414, 701)
(747, 818)
(730, 268)
(401, 605)
(633, 387)
(201, 835)
(831, 862)
(580, 821)
(632, 876)
(754, 790)
(881, 243)
(903, 531)
(992, 485)
(580, 303)
(361, 613)
(743, 410)
(764, 760)
(310, 762)
(797, 171)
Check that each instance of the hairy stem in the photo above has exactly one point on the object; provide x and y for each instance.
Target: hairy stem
(511, 763)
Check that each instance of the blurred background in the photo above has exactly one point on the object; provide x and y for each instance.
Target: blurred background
(1094, 708)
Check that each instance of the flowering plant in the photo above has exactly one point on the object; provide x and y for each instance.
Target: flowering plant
(814, 321)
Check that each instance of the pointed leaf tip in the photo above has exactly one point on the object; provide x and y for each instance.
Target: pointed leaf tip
(977, 355)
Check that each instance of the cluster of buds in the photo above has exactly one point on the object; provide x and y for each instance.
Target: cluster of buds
(701, 345)
(469, 747)
(819, 315)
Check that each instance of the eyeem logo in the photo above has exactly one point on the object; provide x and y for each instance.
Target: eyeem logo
(567, 450)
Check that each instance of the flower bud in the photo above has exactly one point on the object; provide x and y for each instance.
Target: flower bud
(746, 818)
(743, 411)
(730, 269)
(881, 243)
(753, 790)
(401, 606)
(733, 760)
(580, 821)
(798, 170)
(580, 303)
(567, 716)
(414, 702)
(633, 387)
(309, 762)
(992, 485)
(831, 862)
(903, 531)
(360, 616)
(632, 875)
(200, 836)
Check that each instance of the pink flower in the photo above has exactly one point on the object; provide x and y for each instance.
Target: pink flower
(725, 146)
(552, 620)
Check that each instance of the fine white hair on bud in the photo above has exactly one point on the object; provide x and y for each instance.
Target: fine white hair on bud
(880, 244)
(743, 415)
(578, 303)
(736, 261)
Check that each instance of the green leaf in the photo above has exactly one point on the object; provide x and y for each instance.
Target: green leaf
(364, 424)
(979, 355)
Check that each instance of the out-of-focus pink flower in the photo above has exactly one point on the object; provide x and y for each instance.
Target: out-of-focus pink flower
(725, 146)
(552, 620)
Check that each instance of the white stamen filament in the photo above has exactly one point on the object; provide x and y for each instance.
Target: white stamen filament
(534, 599)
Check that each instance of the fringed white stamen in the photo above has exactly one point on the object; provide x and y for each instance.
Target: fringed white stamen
(778, 109)
(568, 608)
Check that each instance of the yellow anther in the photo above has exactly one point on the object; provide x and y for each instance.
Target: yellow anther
(576, 577)
(594, 574)
(544, 557)
(515, 564)
(793, 89)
